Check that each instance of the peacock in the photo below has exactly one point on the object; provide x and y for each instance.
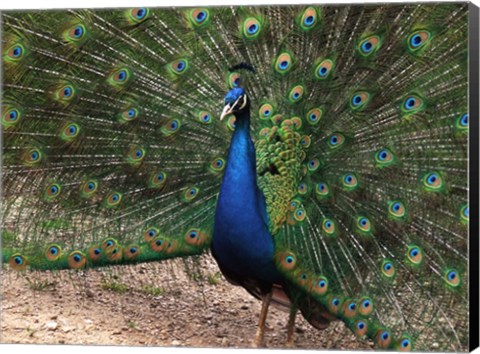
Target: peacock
(319, 152)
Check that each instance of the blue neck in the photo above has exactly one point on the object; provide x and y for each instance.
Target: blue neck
(240, 179)
(242, 242)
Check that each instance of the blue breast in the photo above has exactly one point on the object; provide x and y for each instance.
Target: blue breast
(242, 243)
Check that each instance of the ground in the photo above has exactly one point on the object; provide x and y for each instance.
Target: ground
(155, 304)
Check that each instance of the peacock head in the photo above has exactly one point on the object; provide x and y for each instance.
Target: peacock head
(236, 101)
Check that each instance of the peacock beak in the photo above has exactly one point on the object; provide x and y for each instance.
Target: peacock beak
(229, 109)
(226, 111)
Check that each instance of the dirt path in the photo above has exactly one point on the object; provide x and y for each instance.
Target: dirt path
(156, 304)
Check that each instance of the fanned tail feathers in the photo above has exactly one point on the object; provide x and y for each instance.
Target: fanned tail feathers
(113, 152)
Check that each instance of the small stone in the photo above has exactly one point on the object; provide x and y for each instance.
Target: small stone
(89, 293)
(54, 317)
(435, 345)
(116, 332)
(245, 307)
(175, 343)
(87, 321)
(52, 326)
(299, 330)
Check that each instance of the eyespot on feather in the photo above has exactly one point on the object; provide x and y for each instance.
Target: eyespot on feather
(88, 188)
(95, 253)
(77, 260)
(113, 199)
(383, 339)
(388, 269)
(132, 252)
(314, 115)
(324, 69)
(18, 262)
(251, 28)
(418, 40)
(53, 252)
(360, 328)
(195, 237)
(283, 63)
(14, 54)
(286, 261)
(137, 15)
(157, 180)
(158, 244)
(414, 255)
(308, 18)
(11, 116)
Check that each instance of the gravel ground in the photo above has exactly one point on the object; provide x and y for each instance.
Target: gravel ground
(155, 304)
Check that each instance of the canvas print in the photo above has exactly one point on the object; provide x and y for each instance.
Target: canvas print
(237, 176)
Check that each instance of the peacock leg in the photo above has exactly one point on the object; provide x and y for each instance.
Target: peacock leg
(262, 319)
(291, 326)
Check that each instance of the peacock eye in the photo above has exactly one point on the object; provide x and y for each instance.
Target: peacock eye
(405, 343)
(369, 45)
(356, 100)
(253, 28)
(412, 104)
(78, 31)
(361, 325)
(201, 16)
(387, 266)
(122, 75)
(34, 156)
(17, 51)
(141, 12)
(308, 18)
(336, 302)
(283, 63)
(464, 120)
(97, 251)
(418, 39)
(359, 100)
(67, 91)
(289, 259)
(181, 65)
